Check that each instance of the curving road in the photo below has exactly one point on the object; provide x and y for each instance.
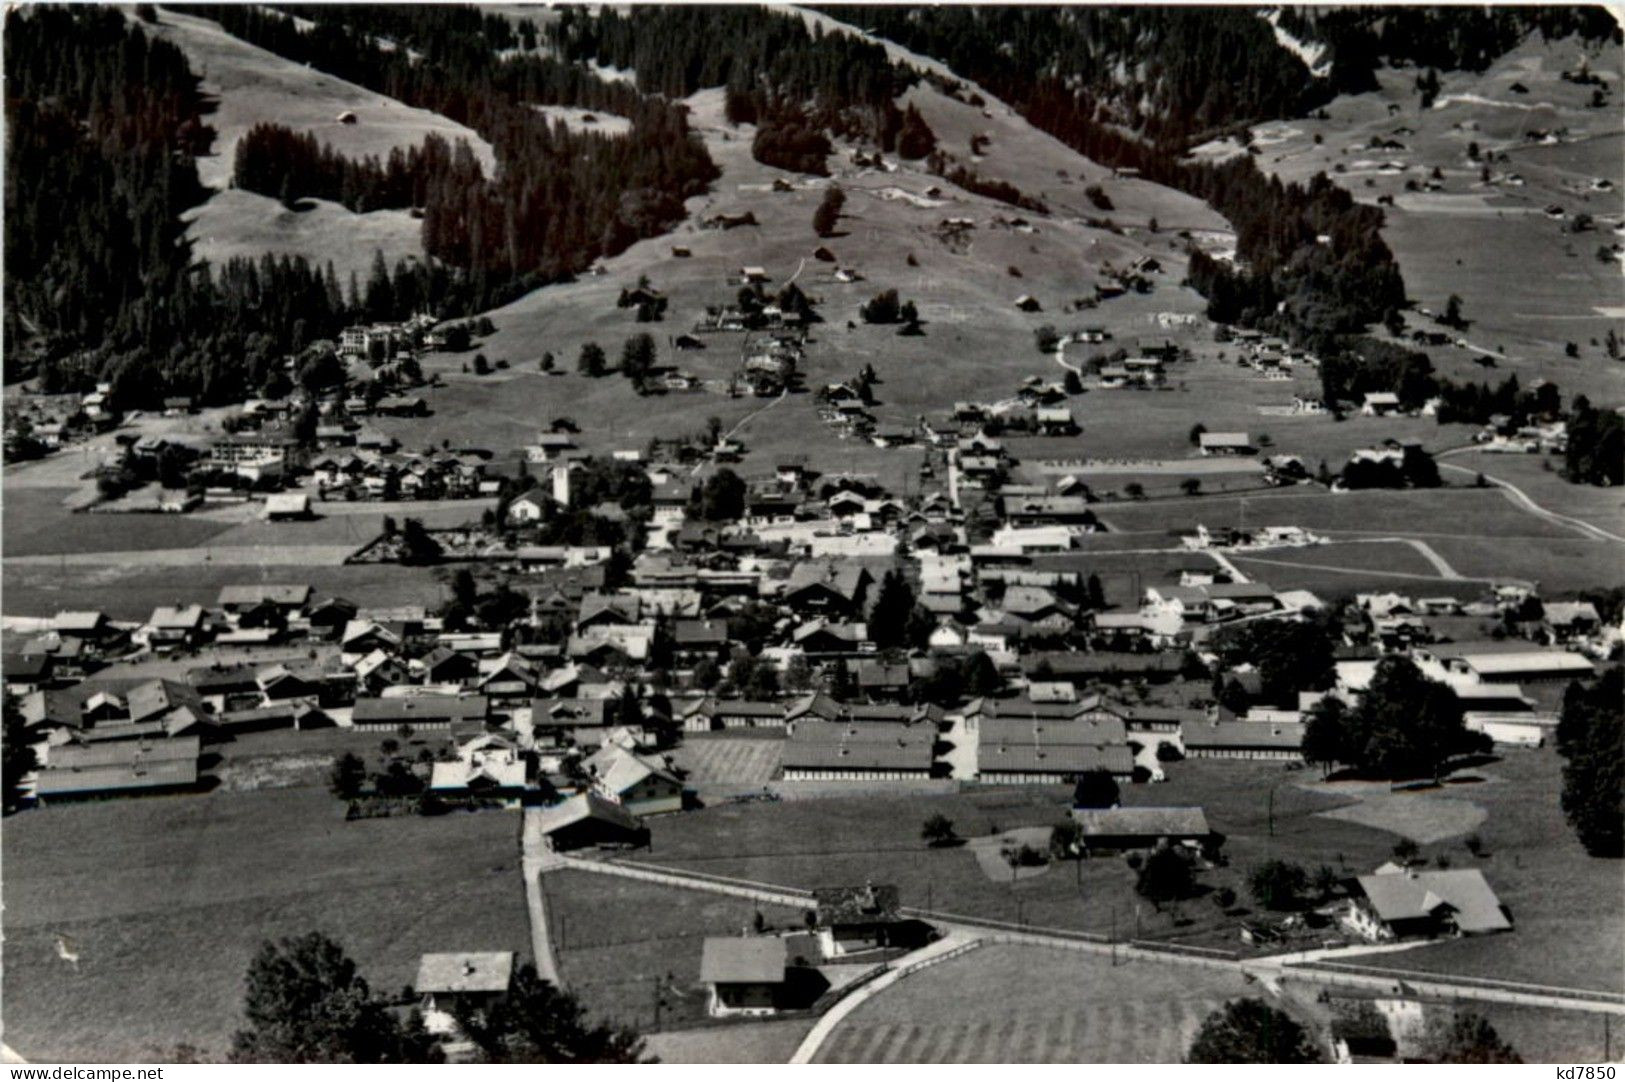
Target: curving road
(1522, 501)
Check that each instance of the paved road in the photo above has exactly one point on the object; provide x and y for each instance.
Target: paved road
(1279, 968)
(1521, 500)
(536, 858)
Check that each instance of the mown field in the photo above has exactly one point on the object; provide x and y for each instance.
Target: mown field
(623, 944)
(753, 1042)
(167, 899)
(37, 524)
(1021, 1004)
(131, 593)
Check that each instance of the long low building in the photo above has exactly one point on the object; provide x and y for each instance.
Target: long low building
(836, 751)
(1143, 828)
(1033, 763)
(1276, 740)
(420, 712)
(124, 768)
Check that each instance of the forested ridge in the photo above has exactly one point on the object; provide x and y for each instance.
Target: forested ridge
(103, 123)
(560, 199)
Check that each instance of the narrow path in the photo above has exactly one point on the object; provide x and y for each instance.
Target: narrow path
(743, 421)
(535, 858)
(1521, 500)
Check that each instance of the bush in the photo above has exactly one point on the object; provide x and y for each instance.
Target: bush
(1168, 753)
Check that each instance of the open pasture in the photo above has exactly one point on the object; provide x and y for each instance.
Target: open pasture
(1528, 285)
(623, 944)
(168, 898)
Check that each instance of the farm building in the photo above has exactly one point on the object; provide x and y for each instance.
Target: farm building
(121, 768)
(1145, 828)
(1225, 443)
(745, 975)
(588, 819)
(1407, 903)
(287, 507)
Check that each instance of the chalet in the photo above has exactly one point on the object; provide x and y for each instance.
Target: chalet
(557, 719)
(446, 666)
(529, 506)
(694, 640)
(419, 712)
(508, 678)
(1145, 828)
(379, 670)
(487, 767)
(24, 672)
(1380, 404)
(1225, 443)
(614, 644)
(288, 597)
(588, 819)
(1056, 421)
(446, 983)
(824, 637)
(1408, 903)
(851, 920)
(744, 975)
(1047, 511)
(175, 626)
(639, 784)
(1565, 620)
(828, 588)
(1036, 610)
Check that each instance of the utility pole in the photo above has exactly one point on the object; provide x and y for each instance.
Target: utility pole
(657, 1002)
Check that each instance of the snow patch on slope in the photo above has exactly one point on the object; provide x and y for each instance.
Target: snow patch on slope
(1313, 56)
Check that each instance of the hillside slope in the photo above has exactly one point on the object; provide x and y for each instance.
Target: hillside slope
(977, 343)
(1528, 281)
(252, 86)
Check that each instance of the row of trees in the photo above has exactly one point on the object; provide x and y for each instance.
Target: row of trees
(1591, 739)
(277, 161)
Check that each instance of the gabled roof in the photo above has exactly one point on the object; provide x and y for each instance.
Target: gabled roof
(169, 617)
(740, 960)
(1411, 895)
(490, 971)
(582, 807)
